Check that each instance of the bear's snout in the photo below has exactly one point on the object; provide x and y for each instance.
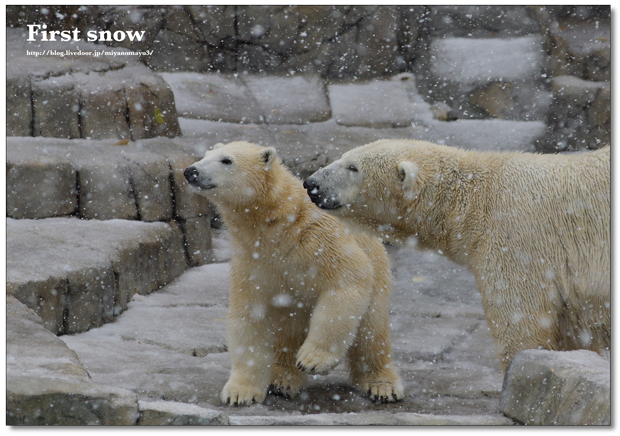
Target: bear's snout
(191, 175)
(310, 184)
(320, 197)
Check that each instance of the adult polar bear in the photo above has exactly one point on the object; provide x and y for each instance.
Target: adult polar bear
(305, 292)
(534, 229)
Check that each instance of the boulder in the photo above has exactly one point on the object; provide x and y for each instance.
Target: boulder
(39, 185)
(47, 385)
(581, 48)
(557, 388)
(579, 115)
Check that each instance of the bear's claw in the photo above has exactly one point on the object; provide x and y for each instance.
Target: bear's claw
(241, 396)
(313, 360)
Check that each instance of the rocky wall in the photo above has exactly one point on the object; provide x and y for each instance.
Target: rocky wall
(478, 61)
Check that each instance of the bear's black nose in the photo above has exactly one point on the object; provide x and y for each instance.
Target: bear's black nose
(310, 184)
(191, 174)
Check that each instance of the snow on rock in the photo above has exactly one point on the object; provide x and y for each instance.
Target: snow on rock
(370, 418)
(174, 413)
(47, 384)
(85, 271)
(558, 387)
(474, 61)
(249, 99)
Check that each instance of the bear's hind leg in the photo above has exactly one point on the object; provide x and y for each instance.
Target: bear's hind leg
(288, 380)
(370, 358)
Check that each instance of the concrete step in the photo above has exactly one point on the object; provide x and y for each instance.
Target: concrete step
(78, 274)
(50, 177)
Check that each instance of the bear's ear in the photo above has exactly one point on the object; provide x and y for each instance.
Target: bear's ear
(269, 156)
(407, 172)
(218, 145)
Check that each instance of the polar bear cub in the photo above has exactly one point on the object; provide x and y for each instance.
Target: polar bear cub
(305, 292)
(534, 229)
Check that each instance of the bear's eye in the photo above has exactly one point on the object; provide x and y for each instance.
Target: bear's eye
(226, 161)
(352, 168)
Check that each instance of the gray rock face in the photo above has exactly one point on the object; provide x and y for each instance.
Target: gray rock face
(557, 388)
(330, 41)
(479, 21)
(47, 384)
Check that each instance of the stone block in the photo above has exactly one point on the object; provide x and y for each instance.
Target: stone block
(38, 185)
(197, 237)
(47, 384)
(103, 112)
(377, 104)
(90, 297)
(187, 203)
(213, 97)
(150, 103)
(557, 388)
(18, 105)
(56, 108)
(479, 21)
(289, 100)
(46, 296)
(250, 98)
(150, 182)
(105, 187)
(174, 51)
(73, 96)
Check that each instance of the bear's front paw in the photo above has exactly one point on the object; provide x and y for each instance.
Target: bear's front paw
(313, 360)
(242, 395)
